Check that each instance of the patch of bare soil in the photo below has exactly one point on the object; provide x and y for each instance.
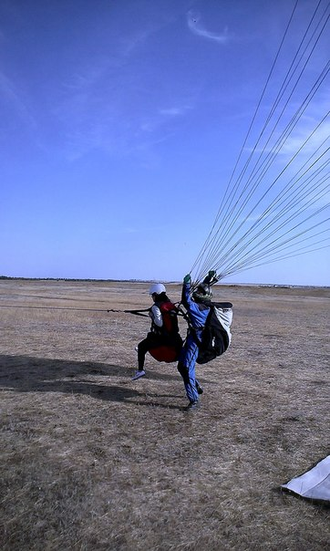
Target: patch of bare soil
(91, 460)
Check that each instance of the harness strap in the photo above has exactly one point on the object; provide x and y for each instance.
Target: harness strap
(142, 312)
(135, 312)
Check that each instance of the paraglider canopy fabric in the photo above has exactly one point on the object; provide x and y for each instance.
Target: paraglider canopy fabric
(314, 484)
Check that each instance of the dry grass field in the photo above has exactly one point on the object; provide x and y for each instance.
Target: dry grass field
(93, 461)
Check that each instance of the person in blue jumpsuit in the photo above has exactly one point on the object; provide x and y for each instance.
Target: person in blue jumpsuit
(197, 306)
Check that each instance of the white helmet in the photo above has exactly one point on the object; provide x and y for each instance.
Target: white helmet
(157, 289)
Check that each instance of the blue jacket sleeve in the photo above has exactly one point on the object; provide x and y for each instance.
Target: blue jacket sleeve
(196, 315)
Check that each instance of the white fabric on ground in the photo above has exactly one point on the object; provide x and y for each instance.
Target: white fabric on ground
(315, 484)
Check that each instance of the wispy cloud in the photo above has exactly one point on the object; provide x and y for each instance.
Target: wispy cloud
(162, 117)
(108, 105)
(130, 43)
(14, 98)
(175, 111)
(94, 114)
(194, 24)
(311, 138)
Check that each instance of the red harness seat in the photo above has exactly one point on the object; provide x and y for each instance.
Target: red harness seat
(166, 354)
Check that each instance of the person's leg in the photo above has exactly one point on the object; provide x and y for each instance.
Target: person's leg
(151, 341)
(186, 368)
(143, 348)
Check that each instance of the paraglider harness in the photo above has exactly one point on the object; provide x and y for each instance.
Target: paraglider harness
(170, 327)
(170, 350)
(215, 339)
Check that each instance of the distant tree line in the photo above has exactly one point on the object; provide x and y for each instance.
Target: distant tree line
(68, 279)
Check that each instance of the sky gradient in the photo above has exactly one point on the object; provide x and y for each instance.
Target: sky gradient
(121, 121)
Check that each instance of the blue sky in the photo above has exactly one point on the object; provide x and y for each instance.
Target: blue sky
(120, 124)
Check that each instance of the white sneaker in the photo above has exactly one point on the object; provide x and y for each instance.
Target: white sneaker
(138, 375)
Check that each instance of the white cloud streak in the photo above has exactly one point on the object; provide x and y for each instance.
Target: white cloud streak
(172, 111)
(12, 97)
(193, 20)
(305, 134)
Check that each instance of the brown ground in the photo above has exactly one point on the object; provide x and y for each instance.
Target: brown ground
(93, 461)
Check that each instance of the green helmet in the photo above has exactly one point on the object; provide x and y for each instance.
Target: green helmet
(203, 293)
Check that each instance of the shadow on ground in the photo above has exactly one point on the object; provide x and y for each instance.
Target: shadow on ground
(28, 374)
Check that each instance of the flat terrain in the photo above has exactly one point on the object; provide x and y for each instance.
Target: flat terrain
(93, 461)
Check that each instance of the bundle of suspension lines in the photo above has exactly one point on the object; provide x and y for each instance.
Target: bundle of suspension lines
(276, 203)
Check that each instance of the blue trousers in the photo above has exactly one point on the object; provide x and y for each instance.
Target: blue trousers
(186, 368)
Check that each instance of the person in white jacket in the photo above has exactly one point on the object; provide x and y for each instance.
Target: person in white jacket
(164, 329)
